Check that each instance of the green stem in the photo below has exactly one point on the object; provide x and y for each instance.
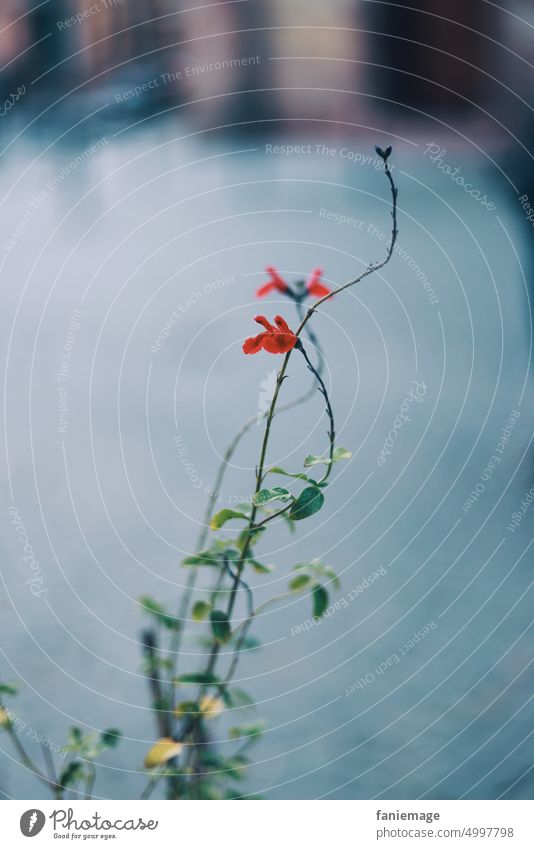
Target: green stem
(175, 646)
(371, 268)
(260, 470)
(26, 759)
(91, 778)
(329, 411)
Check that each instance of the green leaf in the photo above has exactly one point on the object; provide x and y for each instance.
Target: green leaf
(202, 558)
(249, 731)
(186, 709)
(220, 625)
(8, 689)
(207, 791)
(232, 554)
(320, 600)
(111, 737)
(250, 644)
(75, 736)
(196, 678)
(155, 609)
(309, 502)
(259, 567)
(299, 583)
(277, 470)
(236, 698)
(232, 795)
(317, 570)
(276, 493)
(289, 522)
(341, 454)
(250, 534)
(71, 774)
(200, 610)
(338, 455)
(224, 516)
(240, 760)
(235, 768)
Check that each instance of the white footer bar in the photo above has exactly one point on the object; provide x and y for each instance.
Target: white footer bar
(270, 824)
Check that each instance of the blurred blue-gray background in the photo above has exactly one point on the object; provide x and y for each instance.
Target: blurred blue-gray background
(155, 159)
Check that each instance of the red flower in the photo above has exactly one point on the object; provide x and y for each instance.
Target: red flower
(274, 340)
(315, 287)
(275, 284)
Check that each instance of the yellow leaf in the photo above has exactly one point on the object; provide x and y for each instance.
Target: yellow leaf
(211, 707)
(186, 709)
(4, 717)
(162, 751)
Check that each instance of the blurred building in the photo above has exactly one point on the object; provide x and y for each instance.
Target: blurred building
(250, 62)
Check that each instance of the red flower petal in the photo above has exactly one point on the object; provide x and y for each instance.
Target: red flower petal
(282, 324)
(275, 284)
(279, 343)
(318, 290)
(253, 344)
(265, 289)
(274, 340)
(280, 284)
(260, 319)
(315, 287)
(315, 276)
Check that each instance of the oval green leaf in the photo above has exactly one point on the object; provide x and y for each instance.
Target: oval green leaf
(309, 502)
(224, 516)
(200, 610)
(320, 600)
(338, 455)
(276, 493)
(299, 583)
(220, 625)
